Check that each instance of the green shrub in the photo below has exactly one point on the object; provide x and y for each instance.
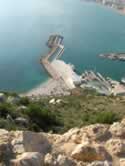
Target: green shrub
(24, 101)
(6, 109)
(42, 118)
(106, 117)
(100, 117)
(5, 124)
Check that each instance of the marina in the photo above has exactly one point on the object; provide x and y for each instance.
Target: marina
(64, 77)
(104, 86)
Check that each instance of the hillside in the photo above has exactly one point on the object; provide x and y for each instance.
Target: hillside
(59, 114)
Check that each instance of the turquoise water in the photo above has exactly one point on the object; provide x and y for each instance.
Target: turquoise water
(88, 29)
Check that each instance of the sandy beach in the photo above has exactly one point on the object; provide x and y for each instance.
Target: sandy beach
(49, 88)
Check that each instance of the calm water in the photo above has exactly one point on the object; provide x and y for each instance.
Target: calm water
(88, 29)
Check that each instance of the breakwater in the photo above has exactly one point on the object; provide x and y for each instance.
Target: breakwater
(56, 50)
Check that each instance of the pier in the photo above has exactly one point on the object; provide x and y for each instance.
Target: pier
(55, 43)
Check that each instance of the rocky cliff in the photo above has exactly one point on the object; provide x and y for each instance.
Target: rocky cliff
(94, 145)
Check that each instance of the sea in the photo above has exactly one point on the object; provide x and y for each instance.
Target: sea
(89, 29)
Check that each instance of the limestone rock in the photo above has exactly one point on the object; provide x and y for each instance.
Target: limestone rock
(123, 121)
(49, 160)
(22, 121)
(68, 135)
(94, 145)
(66, 148)
(84, 152)
(100, 163)
(65, 161)
(60, 160)
(116, 146)
(28, 159)
(4, 141)
(29, 142)
(117, 129)
(122, 162)
(97, 132)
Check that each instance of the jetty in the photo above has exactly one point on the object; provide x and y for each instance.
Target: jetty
(55, 43)
(57, 84)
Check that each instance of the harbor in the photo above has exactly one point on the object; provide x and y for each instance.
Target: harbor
(64, 77)
(104, 86)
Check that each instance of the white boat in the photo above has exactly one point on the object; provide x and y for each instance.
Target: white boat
(123, 80)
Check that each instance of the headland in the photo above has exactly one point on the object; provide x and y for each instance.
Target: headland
(114, 56)
(117, 5)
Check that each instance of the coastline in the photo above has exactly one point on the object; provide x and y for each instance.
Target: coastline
(50, 87)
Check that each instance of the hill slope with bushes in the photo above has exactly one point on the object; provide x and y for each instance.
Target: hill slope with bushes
(59, 114)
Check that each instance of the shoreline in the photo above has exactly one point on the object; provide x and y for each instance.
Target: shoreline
(50, 87)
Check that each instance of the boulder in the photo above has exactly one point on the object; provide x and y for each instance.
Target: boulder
(116, 146)
(122, 162)
(64, 161)
(58, 101)
(17, 142)
(97, 132)
(27, 141)
(86, 152)
(5, 148)
(4, 140)
(60, 160)
(82, 137)
(68, 135)
(2, 97)
(117, 129)
(52, 101)
(28, 159)
(66, 148)
(22, 121)
(49, 160)
(21, 108)
(123, 121)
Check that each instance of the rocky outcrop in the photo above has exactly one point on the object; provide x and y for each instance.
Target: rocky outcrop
(94, 145)
(116, 146)
(29, 142)
(118, 129)
(28, 159)
(86, 152)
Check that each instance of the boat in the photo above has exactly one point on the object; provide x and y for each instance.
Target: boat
(123, 80)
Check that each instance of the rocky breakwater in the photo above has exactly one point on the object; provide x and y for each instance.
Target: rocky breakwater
(94, 145)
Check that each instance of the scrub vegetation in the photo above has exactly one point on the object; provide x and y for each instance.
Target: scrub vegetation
(79, 109)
